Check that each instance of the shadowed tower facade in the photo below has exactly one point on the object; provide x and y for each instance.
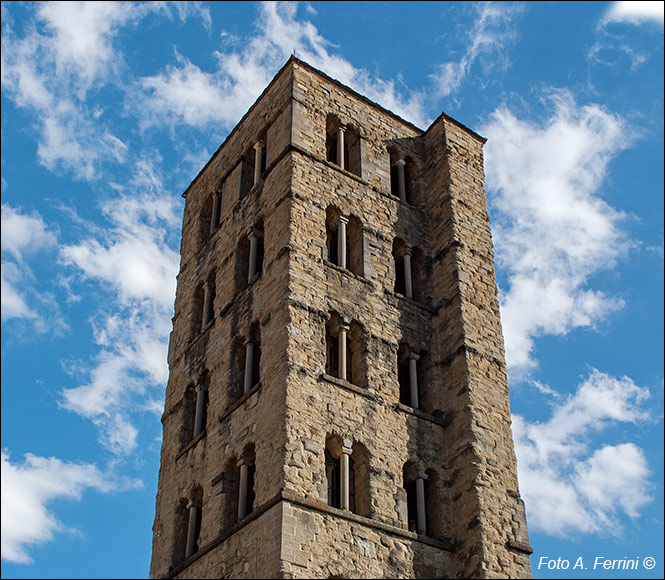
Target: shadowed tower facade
(337, 404)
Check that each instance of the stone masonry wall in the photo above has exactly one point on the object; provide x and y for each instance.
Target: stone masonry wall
(235, 423)
(483, 484)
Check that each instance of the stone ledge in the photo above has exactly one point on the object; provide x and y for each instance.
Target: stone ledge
(519, 547)
(369, 393)
(224, 536)
(255, 389)
(420, 414)
(447, 544)
(347, 272)
(193, 443)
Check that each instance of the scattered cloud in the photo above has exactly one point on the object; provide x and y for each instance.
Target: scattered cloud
(24, 235)
(27, 490)
(67, 51)
(133, 260)
(634, 12)
(552, 230)
(14, 302)
(487, 39)
(613, 48)
(570, 488)
(21, 232)
(184, 93)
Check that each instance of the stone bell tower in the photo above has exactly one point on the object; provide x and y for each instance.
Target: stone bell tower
(337, 405)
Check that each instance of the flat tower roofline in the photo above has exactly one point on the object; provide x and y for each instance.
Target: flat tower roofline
(357, 95)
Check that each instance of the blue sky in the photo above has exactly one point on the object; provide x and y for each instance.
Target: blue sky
(109, 110)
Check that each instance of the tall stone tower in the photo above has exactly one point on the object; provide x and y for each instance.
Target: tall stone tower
(337, 405)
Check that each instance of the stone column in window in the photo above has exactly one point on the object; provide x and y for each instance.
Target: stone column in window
(194, 508)
(408, 284)
(344, 327)
(413, 378)
(216, 210)
(401, 180)
(258, 161)
(244, 464)
(340, 145)
(253, 234)
(341, 241)
(344, 474)
(207, 305)
(199, 417)
(420, 502)
(249, 365)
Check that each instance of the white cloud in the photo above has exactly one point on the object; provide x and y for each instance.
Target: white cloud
(569, 487)
(70, 48)
(20, 232)
(24, 235)
(186, 94)
(133, 256)
(487, 39)
(551, 228)
(131, 364)
(634, 12)
(133, 260)
(81, 36)
(14, 302)
(27, 490)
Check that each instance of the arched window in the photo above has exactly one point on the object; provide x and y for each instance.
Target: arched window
(237, 486)
(229, 479)
(419, 276)
(355, 246)
(201, 407)
(333, 475)
(333, 129)
(340, 473)
(346, 350)
(194, 519)
(435, 501)
(415, 484)
(343, 145)
(344, 241)
(259, 152)
(194, 410)
(208, 313)
(401, 170)
(179, 546)
(336, 238)
(247, 171)
(246, 479)
(334, 326)
(410, 271)
(186, 427)
(347, 475)
(400, 282)
(237, 370)
(256, 251)
(252, 359)
(353, 150)
(196, 317)
(407, 376)
(356, 357)
(216, 210)
(360, 484)
(249, 257)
